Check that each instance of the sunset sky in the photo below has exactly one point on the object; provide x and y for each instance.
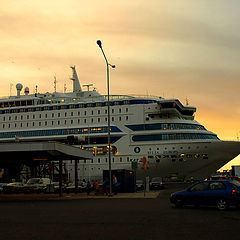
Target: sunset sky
(186, 49)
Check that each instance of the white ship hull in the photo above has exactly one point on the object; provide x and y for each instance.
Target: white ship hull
(200, 160)
(216, 154)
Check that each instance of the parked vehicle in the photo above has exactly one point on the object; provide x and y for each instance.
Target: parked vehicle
(36, 185)
(15, 187)
(56, 187)
(220, 193)
(220, 177)
(156, 183)
(139, 185)
(70, 188)
(1, 186)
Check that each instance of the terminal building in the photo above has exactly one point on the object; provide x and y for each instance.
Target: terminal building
(23, 160)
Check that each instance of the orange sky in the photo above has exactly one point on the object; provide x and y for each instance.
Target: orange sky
(181, 49)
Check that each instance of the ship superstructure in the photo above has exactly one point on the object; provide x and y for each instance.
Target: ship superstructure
(162, 130)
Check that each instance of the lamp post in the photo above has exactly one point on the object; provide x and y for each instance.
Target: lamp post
(99, 43)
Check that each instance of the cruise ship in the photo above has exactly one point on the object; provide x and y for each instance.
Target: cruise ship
(163, 131)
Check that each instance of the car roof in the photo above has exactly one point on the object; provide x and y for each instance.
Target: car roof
(224, 177)
(218, 180)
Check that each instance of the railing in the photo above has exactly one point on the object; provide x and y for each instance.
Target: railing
(131, 96)
(69, 99)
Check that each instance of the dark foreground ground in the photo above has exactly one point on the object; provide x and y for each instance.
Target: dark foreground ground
(115, 219)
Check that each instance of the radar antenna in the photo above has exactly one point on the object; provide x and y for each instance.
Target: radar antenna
(88, 86)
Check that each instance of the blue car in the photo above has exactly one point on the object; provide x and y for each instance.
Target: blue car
(220, 193)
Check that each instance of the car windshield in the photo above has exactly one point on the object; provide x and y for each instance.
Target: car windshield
(33, 181)
(202, 186)
(235, 183)
(139, 181)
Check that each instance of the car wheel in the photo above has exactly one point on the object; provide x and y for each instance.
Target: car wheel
(178, 203)
(222, 204)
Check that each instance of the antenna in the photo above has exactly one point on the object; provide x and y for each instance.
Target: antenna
(55, 83)
(187, 102)
(11, 85)
(65, 88)
(88, 86)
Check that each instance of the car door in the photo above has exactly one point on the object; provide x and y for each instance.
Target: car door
(216, 190)
(196, 193)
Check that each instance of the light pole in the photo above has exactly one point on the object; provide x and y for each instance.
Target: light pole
(99, 43)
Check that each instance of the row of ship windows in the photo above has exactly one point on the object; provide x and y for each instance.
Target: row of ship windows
(165, 126)
(57, 132)
(62, 122)
(99, 160)
(53, 115)
(69, 106)
(180, 157)
(173, 136)
(174, 158)
(173, 148)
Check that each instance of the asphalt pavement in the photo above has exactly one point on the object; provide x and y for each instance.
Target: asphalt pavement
(114, 218)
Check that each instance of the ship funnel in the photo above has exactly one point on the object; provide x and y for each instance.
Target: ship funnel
(76, 83)
(19, 87)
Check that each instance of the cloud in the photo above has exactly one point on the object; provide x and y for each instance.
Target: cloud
(182, 49)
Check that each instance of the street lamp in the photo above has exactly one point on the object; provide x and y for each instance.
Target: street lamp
(99, 43)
